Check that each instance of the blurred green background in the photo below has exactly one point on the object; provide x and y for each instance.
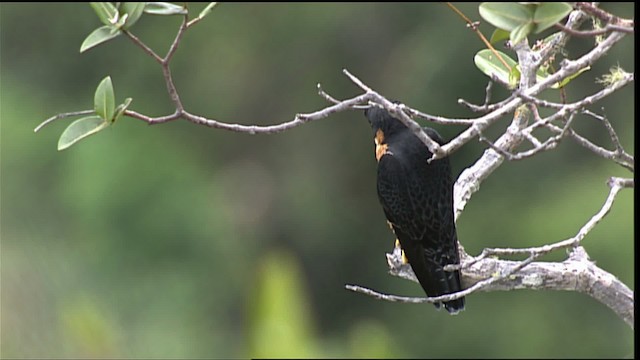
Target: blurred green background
(180, 241)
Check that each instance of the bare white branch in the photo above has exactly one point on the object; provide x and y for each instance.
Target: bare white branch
(487, 272)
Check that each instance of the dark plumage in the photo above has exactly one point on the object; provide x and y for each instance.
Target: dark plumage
(417, 199)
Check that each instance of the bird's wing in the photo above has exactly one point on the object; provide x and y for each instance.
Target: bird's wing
(392, 190)
(422, 218)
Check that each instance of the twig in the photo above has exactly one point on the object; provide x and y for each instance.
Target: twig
(299, 119)
(615, 183)
(448, 297)
(474, 26)
(548, 144)
(589, 33)
(593, 9)
(612, 133)
(143, 46)
(326, 96)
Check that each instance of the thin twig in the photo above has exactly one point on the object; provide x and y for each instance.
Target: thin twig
(593, 9)
(548, 144)
(299, 119)
(448, 297)
(143, 46)
(589, 33)
(612, 133)
(176, 41)
(474, 26)
(326, 96)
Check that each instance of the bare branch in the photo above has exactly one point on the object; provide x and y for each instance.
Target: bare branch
(612, 133)
(576, 273)
(326, 96)
(437, 119)
(255, 129)
(619, 156)
(548, 144)
(593, 9)
(589, 33)
(486, 107)
(143, 46)
(416, 300)
(486, 273)
(178, 38)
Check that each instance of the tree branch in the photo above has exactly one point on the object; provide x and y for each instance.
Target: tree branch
(485, 272)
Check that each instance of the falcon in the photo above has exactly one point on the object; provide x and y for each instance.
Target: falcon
(417, 200)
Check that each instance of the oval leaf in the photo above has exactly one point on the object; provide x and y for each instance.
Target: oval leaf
(134, 11)
(521, 32)
(491, 66)
(104, 100)
(80, 129)
(107, 13)
(98, 36)
(568, 79)
(164, 8)
(499, 35)
(548, 14)
(506, 15)
(514, 77)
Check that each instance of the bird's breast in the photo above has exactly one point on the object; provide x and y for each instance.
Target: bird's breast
(382, 148)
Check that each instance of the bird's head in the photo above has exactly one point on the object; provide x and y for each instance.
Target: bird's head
(380, 119)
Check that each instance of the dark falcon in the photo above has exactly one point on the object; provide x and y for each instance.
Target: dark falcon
(417, 199)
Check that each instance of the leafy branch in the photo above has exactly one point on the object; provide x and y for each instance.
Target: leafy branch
(528, 76)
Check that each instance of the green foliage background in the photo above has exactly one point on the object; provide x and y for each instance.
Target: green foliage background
(182, 241)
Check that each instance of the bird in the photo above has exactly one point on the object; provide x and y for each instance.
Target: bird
(417, 200)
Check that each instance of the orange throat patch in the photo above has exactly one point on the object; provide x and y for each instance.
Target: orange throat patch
(381, 147)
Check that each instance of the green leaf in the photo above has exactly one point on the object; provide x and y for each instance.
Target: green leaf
(164, 8)
(491, 66)
(121, 108)
(520, 32)
(80, 129)
(104, 102)
(506, 15)
(499, 35)
(568, 79)
(207, 10)
(134, 11)
(121, 21)
(548, 14)
(107, 13)
(98, 36)
(514, 77)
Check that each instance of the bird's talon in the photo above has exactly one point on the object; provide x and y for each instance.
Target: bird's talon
(404, 258)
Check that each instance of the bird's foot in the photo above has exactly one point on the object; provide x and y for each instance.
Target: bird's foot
(404, 257)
